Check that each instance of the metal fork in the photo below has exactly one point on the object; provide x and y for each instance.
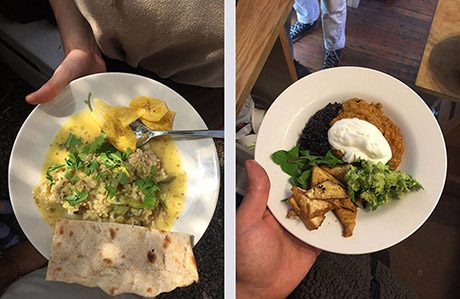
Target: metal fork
(144, 134)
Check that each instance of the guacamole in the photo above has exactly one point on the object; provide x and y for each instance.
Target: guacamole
(377, 184)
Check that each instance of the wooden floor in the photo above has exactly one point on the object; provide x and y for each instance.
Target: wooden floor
(384, 35)
(390, 36)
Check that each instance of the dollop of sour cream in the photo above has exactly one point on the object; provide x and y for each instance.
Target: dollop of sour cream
(359, 139)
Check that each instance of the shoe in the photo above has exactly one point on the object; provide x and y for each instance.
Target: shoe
(299, 29)
(332, 59)
(301, 70)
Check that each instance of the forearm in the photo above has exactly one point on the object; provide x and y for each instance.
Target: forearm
(75, 30)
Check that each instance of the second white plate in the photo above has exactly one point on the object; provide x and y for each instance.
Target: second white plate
(424, 157)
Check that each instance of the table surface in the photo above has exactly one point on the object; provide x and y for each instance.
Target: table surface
(439, 71)
(258, 25)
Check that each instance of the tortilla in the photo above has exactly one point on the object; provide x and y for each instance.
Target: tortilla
(121, 258)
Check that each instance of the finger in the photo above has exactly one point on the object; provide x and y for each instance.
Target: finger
(254, 203)
(51, 88)
(61, 77)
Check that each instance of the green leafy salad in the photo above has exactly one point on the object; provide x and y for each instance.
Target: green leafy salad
(298, 164)
(375, 184)
(115, 174)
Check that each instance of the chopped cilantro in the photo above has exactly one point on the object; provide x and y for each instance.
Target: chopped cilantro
(149, 189)
(95, 145)
(76, 198)
(106, 154)
(117, 158)
(88, 102)
(163, 199)
(149, 202)
(107, 161)
(128, 152)
(74, 179)
(91, 167)
(52, 168)
(72, 141)
(113, 158)
(101, 175)
(111, 191)
(122, 178)
(73, 161)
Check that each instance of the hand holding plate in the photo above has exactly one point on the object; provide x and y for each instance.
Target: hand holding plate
(270, 262)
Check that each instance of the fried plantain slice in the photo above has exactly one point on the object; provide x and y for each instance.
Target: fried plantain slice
(155, 109)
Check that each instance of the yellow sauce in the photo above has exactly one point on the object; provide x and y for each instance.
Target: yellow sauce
(84, 127)
(166, 150)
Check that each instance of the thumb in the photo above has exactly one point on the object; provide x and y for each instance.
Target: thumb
(254, 203)
(61, 77)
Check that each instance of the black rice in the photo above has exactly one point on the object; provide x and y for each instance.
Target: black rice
(314, 135)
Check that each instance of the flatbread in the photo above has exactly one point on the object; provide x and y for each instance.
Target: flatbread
(121, 258)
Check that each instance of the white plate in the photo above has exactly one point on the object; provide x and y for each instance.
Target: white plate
(198, 156)
(424, 156)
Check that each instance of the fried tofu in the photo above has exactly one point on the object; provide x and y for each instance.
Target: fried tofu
(327, 193)
(348, 218)
(338, 172)
(311, 211)
(292, 214)
(318, 175)
(326, 190)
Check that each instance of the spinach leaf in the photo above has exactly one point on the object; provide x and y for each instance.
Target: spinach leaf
(298, 164)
